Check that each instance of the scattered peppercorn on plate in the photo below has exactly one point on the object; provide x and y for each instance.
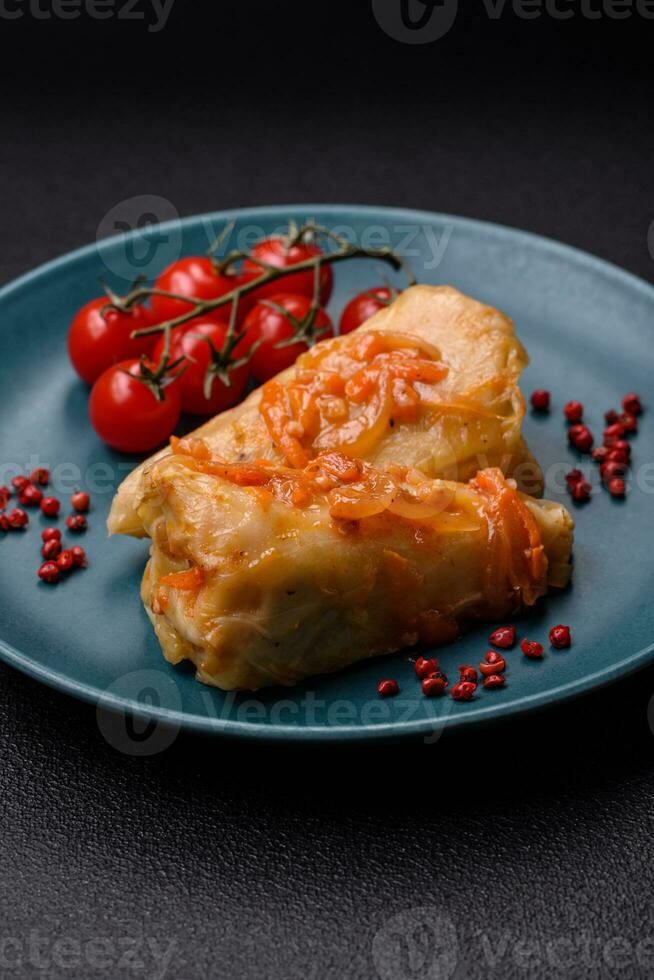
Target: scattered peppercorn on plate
(377, 541)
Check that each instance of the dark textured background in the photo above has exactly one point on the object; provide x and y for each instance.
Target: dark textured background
(271, 863)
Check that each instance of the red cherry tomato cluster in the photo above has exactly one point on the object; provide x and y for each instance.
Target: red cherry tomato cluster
(142, 383)
(57, 561)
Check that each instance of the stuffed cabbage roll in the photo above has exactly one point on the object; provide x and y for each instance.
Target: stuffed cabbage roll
(262, 574)
(430, 382)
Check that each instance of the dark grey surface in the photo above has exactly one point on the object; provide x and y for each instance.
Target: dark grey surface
(534, 840)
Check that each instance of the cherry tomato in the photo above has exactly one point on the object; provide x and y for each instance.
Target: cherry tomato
(270, 326)
(125, 412)
(363, 306)
(196, 276)
(275, 252)
(188, 343)
(97, 340)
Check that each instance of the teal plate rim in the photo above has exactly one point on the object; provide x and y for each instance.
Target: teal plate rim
(463, 719)
(550, 698)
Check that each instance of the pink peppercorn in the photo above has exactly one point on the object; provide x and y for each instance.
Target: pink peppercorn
(560, 637)
(494, 681)
(617, 487)
(629, 423)
(40, 476)
(79, 556)
(574, 411)
(65, 561)
(581, 492)
(425, 667)
(19, 483)
(48, 572)
(51, 549)
(434, 686)
(614, 432)
(50, 506)
(532, 649)
(463, 691)
(494, 664)
(30, 496)
(631, 404)
(574, 477)
(503, 637)
(17, 518)
(581, 438)
(612, 468)
(540, 400)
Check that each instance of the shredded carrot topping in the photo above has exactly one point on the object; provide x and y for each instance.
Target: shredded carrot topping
(277, 409)
(348, 393)
(516, 552)
(355, 490)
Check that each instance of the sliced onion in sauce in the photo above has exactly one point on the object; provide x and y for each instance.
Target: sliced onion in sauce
(360, 435)
(364, 499)
(403, 505)
(449, 523)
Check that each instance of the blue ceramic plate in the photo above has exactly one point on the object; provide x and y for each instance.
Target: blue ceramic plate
(588, 328)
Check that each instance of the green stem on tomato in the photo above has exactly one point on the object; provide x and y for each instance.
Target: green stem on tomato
(271, 274)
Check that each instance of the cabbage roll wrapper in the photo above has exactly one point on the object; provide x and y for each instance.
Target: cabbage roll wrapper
(430, 382)
(262, 575)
